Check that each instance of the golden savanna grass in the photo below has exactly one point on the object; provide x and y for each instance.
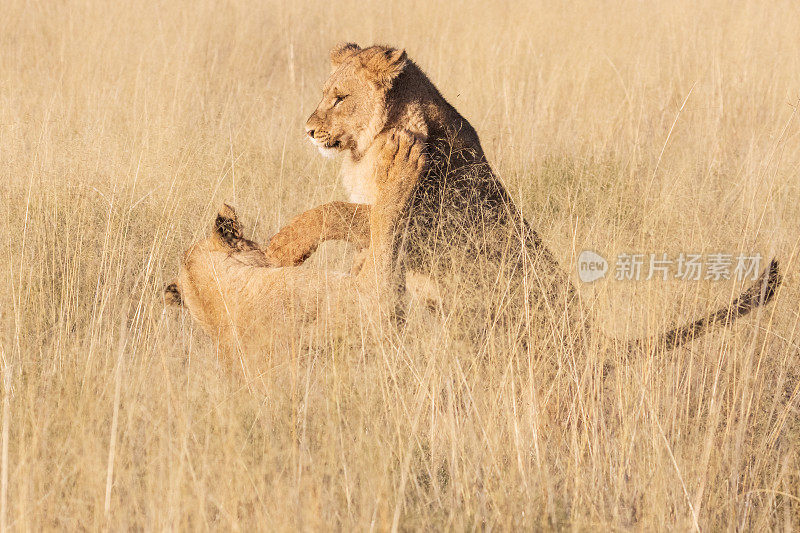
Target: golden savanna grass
(618, 126)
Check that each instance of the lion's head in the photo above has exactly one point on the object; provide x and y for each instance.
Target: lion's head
(353, 108)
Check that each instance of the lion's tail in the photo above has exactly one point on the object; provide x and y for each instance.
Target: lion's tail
(759, 293)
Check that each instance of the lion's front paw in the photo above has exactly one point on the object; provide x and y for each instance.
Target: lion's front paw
(287, 248)
(402, 156)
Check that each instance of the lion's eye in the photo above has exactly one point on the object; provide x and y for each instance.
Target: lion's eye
(338, 100)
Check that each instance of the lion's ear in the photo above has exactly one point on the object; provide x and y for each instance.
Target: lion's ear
(172, 295)
(341, 52)
(385, 65)
(227, 225)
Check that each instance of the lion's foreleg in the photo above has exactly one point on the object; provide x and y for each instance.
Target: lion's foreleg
(397, 174)
(332, 221)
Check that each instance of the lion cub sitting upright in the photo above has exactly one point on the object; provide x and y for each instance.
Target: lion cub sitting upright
(449, 218)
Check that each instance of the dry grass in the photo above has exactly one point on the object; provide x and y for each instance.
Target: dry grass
(124, 124)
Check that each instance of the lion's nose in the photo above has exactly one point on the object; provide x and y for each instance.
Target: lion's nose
(310, 133)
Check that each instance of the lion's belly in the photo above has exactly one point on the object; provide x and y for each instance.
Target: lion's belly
(359, 181)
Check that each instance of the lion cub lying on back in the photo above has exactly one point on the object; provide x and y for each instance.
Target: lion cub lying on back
(245, 304)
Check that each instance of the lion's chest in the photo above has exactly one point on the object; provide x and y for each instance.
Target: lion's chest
(358, 179)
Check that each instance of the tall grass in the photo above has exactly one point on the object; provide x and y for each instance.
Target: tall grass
(618, 126)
